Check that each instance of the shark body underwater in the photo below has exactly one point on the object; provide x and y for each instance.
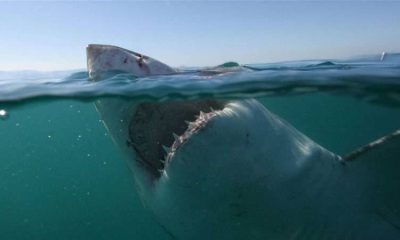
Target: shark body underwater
(231, 169)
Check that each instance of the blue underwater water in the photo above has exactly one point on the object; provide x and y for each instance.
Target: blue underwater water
(62, 177)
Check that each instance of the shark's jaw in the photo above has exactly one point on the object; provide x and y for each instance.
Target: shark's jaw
(158, 130)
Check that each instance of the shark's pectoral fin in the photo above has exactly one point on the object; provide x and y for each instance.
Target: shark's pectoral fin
(378, 164)
(372, 145)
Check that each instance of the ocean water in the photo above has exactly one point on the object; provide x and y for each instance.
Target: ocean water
(62, 177)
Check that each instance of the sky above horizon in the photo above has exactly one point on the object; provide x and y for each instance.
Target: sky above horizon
(53, 35)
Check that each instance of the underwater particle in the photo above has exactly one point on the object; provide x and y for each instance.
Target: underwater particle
(48, 136)
(3, 114)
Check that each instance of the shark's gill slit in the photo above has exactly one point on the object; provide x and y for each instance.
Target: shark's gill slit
(158, 129)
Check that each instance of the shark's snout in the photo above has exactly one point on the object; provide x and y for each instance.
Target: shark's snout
(103, 58)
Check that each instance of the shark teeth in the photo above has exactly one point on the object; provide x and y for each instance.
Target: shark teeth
(163, 172)
(201, 114)
(166, 149)
(176, 137)
(193, 127)
(150, 129)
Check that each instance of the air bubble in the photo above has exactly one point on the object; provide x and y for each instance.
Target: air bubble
(3, 114)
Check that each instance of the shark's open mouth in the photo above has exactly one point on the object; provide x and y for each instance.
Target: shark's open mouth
(157, 130)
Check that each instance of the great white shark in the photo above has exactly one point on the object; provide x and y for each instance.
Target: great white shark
(231, 169)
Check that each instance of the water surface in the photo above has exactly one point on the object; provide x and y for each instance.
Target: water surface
(62, 177)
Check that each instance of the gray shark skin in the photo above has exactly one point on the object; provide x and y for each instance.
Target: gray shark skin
(234, 170)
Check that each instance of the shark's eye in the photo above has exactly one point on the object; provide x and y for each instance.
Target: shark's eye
(153, 126)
